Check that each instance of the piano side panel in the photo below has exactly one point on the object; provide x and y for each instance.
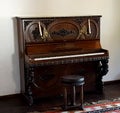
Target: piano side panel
(21, 46)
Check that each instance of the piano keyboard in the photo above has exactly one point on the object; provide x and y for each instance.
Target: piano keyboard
(68, 56)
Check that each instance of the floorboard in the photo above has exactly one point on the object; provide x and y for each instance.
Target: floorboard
(16, 104)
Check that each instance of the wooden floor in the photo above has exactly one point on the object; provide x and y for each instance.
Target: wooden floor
(16, 103)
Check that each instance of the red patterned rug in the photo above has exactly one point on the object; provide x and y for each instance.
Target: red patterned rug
(95, 107)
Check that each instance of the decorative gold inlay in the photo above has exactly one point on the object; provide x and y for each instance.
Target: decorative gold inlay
(45, 34)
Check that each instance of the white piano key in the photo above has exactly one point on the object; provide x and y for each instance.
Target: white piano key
(68, 56)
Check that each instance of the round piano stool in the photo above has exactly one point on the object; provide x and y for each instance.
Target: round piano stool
(72, 81)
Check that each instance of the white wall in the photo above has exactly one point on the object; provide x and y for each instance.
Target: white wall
(110, 32)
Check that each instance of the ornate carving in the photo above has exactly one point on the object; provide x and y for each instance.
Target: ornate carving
(33, 34)
(89, 30)
(46, 77)
(37, 37)
(36, 34)
(26, 23)
(45, 36)
(63, 32)
(59, 30)
(102, 70)
(29, 79)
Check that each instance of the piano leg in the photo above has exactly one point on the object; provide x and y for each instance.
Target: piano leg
(29, 81)
(102, 70)
(104, 66)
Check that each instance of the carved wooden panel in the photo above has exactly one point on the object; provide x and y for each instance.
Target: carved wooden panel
(47, 78)
(61, 29)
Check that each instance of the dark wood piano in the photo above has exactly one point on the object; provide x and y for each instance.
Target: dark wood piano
(51, 47)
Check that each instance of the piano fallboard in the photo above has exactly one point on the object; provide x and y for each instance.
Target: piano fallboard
(51, 48)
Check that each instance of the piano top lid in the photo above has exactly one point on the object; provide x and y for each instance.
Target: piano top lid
(51, 17)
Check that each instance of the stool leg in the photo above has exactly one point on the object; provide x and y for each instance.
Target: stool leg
(65, 97)
(81, 96)
(74, 96)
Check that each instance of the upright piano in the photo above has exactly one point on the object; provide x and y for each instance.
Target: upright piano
(50, 47)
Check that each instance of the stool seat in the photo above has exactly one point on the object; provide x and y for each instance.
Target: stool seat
(72, 81)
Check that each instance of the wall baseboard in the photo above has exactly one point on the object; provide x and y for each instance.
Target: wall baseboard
(111, 82)
(11, 96)
(19, 94)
